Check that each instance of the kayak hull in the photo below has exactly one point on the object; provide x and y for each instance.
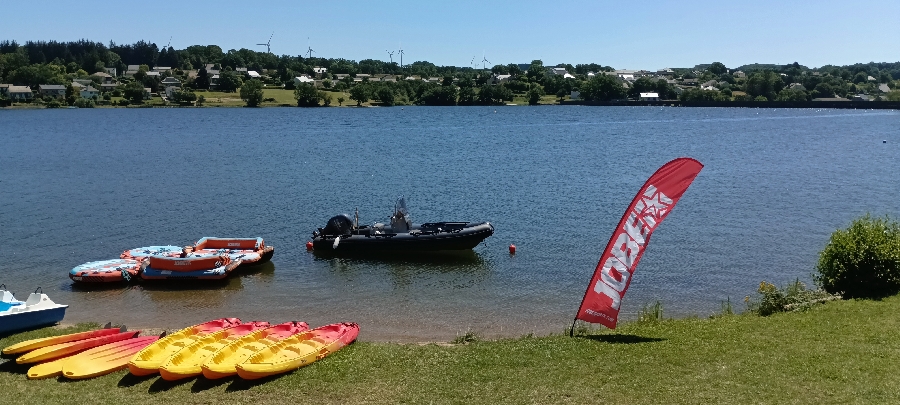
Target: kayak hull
(104, 359)
(47, 370)
(188, 361)
(151, 358)
(223, 363)
(34, 344)
(298, 351)
(69, 348)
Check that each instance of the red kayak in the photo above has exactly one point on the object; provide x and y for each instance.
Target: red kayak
(65, 349)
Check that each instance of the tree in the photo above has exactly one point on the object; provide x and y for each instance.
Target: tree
(766, 84)
(440, 95)
(252, 92)
(536, 71)
(134, 92)
(701, 95)
(717, 68)
(340, 101)
(70, 94)
(602, 88)
(202, 80)
(791, 95)
(229, 81)
(306, 95)
(184, 96)
(466, 96)
(535, 92)
(385, 95)
(360, 94)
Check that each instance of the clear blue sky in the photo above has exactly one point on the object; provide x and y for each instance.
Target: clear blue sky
(621, 34)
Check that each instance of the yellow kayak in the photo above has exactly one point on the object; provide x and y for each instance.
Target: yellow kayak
(47, 370)
(186, 363)
(223, 363)
(33, 344)
(297, 351)
(148, 360)
(104, 359)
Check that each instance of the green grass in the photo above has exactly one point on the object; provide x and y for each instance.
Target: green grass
(842, 352)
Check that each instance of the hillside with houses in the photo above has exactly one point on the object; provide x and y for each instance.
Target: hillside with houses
(88, 74)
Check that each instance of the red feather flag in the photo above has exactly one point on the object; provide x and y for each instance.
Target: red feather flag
(649, 207)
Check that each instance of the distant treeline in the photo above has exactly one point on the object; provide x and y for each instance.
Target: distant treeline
(94, 56)
(51, 62)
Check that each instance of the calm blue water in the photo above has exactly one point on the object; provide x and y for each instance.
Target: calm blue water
(84, 185)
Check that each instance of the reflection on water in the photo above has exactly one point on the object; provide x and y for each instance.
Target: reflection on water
(451, 269)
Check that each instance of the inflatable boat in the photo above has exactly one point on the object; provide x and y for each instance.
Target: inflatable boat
(250, 251)
(188, 268)
(38, 310)
(344, 235)
(106, 271)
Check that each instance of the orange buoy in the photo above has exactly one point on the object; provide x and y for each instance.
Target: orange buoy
(512, 249)
(309, 246)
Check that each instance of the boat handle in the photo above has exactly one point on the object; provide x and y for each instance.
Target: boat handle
(38, 289)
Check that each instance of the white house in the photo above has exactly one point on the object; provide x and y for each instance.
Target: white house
(575, 95)
(558, 71)
(501, 78)
(304, 80)
(319, 71)
(110, 71)
(649, 96)
(883, 87)
(739, 75)
(18, 93)
(253, 74)
(170, 81)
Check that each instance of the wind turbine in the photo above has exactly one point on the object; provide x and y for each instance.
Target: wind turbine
(483, 60)
(472, 62)
(170, 43)
(401, 56)
(309, 50)
(390, 55)
(267, 44)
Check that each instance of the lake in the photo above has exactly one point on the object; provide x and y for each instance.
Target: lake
(84, 185)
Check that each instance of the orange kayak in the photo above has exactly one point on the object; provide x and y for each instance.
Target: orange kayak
(223, 363)
(66, 349)
(33, 344)
(104, 359)
(186, 363)
(297, 351)
(151, 358)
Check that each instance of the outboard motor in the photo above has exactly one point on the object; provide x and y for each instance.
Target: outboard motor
(338, 225)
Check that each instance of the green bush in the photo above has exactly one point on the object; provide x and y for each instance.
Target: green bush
(862, 261)
(793, 297)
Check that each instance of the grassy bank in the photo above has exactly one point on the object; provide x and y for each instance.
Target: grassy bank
(841, 352)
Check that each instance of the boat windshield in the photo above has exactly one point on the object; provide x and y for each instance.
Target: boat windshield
(400, 207)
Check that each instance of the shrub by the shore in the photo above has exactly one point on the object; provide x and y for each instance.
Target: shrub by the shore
(862, 261)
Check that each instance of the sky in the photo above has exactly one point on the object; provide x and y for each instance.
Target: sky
(623, 34)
